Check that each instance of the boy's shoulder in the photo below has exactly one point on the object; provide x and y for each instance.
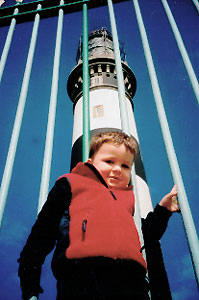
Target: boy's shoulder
(79, 170)
(62, 176)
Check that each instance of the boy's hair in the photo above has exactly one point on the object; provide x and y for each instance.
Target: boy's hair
(115, 138)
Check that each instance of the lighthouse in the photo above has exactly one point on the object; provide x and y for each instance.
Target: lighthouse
(104, 101)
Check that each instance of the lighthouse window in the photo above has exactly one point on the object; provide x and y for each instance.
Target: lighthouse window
(98, 111)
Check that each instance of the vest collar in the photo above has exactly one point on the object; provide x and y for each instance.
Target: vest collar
(88, 170)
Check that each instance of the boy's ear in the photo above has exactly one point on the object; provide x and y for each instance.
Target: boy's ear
(89, 161)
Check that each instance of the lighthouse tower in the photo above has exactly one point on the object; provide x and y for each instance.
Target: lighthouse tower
(104, 101)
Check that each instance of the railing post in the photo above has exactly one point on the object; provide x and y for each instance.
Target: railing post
(7, 44)
(182, 49)
(120, 77)
(18, 120)
(86, 83)
(44, 186)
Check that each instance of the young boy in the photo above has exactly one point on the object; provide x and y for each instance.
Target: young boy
(88, 215)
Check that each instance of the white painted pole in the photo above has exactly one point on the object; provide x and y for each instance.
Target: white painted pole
(182, 49)
(196, 3)
(18, 120)
(183, 201)
(2, 2)
(120, 77)
(44, 186)
(7, 44)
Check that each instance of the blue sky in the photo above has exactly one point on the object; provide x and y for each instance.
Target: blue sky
(180, 105)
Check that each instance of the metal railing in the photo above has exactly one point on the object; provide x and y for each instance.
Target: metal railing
(34, 11)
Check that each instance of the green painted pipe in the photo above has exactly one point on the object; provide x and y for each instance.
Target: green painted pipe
(86, 82)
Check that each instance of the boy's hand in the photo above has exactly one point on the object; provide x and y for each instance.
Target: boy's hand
(170, 200)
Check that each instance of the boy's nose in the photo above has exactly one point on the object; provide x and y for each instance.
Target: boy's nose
(116, 168)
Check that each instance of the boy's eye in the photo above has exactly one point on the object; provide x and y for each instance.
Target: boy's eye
(125, 166)
(108, 161)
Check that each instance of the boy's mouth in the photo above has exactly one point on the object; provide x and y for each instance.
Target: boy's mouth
(115, 178)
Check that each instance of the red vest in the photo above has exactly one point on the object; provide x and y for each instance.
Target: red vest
(101, 222)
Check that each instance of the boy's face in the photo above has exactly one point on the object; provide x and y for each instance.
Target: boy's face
(114, 164)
